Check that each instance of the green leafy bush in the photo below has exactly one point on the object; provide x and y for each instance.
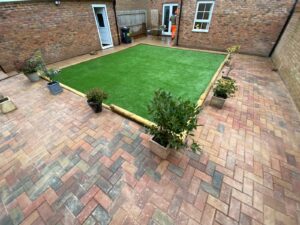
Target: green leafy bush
(32, 65)
(233, 50)
(225, 87)
(51, 73)
(175, 119)
(96, 95)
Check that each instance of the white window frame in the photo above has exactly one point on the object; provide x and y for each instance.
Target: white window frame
(13, 1)
(203, 20)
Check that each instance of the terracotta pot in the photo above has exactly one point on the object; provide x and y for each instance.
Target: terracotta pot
(158, 149)
(217, 102)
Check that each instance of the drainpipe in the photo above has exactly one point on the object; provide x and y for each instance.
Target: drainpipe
(284, 27)
(180, 12)
(117, 26)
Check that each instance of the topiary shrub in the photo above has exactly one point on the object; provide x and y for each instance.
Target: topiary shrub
(96, 95)
(175, 119)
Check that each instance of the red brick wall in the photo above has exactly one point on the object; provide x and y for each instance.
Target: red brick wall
(287, 57)
(123, 5)
(255, 25)
(60, 32)
(158, 4)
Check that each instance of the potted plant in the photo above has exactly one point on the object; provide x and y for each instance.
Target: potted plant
(32, 66)
(175, 119)
(224, 88)
(53, 86)
(231, 51)
(95, 98)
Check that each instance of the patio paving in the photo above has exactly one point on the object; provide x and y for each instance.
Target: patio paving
(62, 164)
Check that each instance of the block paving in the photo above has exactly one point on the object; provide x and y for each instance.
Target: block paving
(62, 164)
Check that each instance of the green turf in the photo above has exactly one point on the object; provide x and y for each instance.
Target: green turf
(131, 76)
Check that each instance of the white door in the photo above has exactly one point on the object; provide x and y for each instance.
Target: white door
(168, 11)
(103, 27)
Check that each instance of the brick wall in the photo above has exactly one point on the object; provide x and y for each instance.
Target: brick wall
(60, 32)
(158, 4)
(123, 5)
(286, 57)
(135, 19)
(254, 24)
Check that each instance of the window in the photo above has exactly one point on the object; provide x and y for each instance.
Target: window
(13, 0)
(100, 20)
(203, 16)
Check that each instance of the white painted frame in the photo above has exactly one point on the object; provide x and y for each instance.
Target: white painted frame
(163, 17)
(97, 24)
(13, 1)
(203, 20)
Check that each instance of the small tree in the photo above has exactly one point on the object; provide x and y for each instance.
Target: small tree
(175, 119)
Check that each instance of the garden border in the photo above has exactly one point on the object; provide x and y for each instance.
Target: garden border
(132, 116)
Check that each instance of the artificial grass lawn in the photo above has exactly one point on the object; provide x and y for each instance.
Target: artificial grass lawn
(131, 76)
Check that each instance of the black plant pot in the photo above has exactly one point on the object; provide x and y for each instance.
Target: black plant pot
(54, 87)
(96, 106)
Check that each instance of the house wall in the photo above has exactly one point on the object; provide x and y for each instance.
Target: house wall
(60, 32)
(286, 57)
(158, 5)
(133, 14)
(255, 25)
(123, 5)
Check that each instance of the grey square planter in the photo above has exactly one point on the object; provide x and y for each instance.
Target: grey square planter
(33, 77)
(6, 105)
(158, 149)
(217, 102)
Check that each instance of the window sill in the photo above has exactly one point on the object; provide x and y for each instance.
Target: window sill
(4, 1)
(199, 31)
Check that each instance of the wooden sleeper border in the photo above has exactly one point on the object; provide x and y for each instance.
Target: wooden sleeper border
(147, 123)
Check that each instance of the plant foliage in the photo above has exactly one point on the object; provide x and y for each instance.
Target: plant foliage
(96, 95)
(51, 73)
(175, 119)
(32, 65)
(225, 87)
(232, 50)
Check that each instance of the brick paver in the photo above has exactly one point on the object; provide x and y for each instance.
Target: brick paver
(62, 164)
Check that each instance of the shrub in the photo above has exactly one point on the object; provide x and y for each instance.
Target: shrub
(225, 87)
(232, 50)
(174, 118)
(32, 65)
(96, 95)
(51, 73)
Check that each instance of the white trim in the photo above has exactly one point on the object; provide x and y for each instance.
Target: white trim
(13, 1)
(163, 17)
(97, 25)
(202, 20)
